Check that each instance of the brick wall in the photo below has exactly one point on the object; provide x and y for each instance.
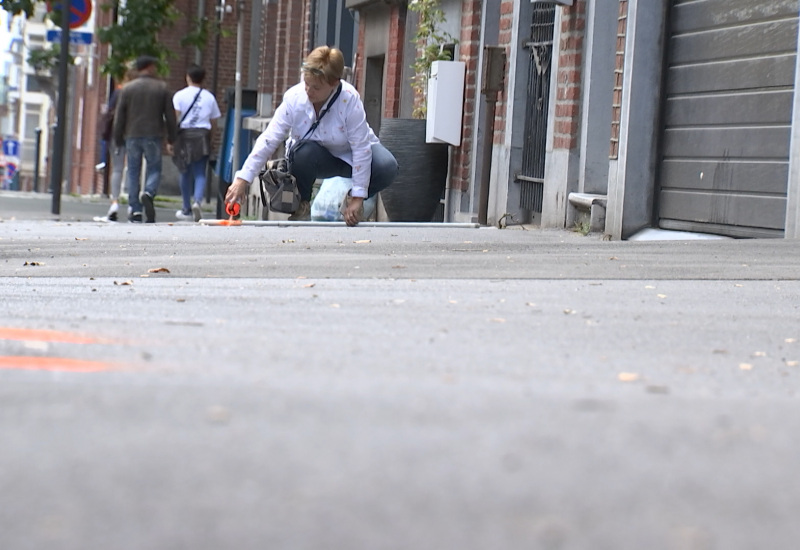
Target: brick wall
(469, 52)
(358, 61)
(394, 60)
(507, 20)
(568, 87)
(88, 99)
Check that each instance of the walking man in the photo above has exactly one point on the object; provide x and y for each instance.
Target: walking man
(144, 115)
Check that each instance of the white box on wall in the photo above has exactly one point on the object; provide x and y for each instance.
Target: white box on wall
(445, 102)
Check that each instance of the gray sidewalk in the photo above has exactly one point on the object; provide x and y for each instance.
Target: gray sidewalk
(21, 205)
(382, 252)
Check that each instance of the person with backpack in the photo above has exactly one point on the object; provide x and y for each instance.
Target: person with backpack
(196, 108)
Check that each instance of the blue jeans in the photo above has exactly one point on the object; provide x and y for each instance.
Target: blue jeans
(150, 149)
(195, 174)
(312, 161)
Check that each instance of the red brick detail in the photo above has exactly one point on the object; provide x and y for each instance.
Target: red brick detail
(394, 60)
(469, 51)
(569, 76)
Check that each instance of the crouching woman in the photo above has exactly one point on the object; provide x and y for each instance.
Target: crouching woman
(324, 121)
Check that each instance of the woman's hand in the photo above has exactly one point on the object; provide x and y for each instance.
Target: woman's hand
(353, 211)
(236, 191)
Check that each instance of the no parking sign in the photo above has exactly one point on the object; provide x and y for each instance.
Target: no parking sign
(80, 11)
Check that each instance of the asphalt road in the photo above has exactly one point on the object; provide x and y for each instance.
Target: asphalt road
(185, 386)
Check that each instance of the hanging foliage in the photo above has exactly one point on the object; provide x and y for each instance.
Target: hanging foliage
(430, 40)
(136, 34)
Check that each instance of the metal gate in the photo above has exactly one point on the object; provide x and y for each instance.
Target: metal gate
(729, 92)
(540, 45)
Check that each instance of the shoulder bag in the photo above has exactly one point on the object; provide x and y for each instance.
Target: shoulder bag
(278, 186)
(179, 152)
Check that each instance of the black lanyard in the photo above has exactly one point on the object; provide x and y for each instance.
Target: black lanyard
(322, 113)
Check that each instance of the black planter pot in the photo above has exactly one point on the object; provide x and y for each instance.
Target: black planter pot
(417, 190)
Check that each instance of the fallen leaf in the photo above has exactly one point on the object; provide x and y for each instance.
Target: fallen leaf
(497, 320)
(530, 304)
(363, 241)
(398, 267)
(158, 270)
(453, 301)
(181, 300)
(759, 354)
(739, 286)
(650, 287)
(569, 312)
(613, 258)
(792, 363)
(124, 283)
(81, 239)
(33, 263)
(745, 366)
(310, 285)
(662, 296)
(628, 377)
(790, 340)
(336, 305)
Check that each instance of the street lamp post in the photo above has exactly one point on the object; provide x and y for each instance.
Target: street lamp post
(59, 141)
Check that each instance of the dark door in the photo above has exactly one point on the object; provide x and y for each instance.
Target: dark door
(540, 47)
(729, 89)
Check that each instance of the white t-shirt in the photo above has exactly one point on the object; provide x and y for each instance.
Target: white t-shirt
(344, 132)
(204, 110)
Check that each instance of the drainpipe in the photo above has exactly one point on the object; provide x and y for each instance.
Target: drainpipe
(201, 13)
(237, 112)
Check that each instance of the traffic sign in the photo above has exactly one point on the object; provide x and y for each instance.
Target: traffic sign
(75, 37)
(79, 11)
(11, 147)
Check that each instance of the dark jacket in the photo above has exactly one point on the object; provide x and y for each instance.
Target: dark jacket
(144, 109)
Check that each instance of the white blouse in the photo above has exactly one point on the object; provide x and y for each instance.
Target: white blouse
(343, 131)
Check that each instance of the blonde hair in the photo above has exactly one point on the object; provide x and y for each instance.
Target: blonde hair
(326, 63)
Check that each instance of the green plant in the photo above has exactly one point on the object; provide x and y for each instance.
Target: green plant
(15, 7)
(201, 31)
(430, 40)
(44, 60)
(582, 227)
(137, 34)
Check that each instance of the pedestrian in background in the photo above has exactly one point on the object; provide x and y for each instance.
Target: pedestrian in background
(339, 144)
(197, 108)
(143, 116)
(116, 154)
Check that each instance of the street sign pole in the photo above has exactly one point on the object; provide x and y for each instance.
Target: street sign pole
(59, 140)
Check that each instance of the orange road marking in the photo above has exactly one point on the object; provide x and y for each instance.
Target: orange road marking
(8, 333)
(56, 364)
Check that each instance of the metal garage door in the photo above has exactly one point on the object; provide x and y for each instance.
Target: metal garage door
(727, 118)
